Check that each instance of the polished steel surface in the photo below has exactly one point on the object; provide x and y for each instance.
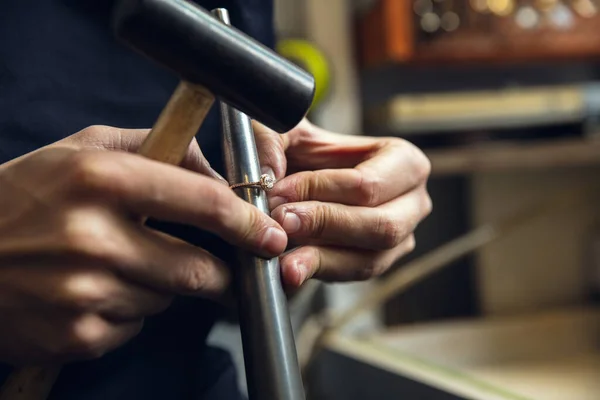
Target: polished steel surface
(270, 357)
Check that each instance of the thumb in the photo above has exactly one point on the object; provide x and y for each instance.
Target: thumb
(271, 148)
(130, 140)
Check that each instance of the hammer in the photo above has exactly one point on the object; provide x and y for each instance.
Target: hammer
(214, 59)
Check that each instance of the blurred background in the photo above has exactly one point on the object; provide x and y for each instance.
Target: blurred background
(500, 298)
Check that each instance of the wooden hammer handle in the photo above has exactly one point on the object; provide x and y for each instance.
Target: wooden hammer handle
(168, 142)
(177, 124)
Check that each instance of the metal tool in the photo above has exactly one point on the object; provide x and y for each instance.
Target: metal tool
(212, 59)
(270, 357)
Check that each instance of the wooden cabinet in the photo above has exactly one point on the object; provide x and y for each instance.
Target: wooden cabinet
(432, 31)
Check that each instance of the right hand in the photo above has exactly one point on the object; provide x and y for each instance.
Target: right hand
(79, 272)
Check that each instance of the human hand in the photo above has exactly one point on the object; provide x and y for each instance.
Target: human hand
(79, 272)
(350, 202)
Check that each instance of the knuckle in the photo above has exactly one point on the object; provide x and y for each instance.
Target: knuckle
(257, 224)
(87, 337)
(420, 165)
(382, 265)
(85, 292)
(307, 185)
(366, 273)
(317, 262)
(242, 221)
(376, 267)
(410, 244)
(389, 232)
(88, 170)
(220, 206)
(383, 261)
(427, 204)
(306, 132)
(93, 131)
(235, 217)
(91, 172)
(191, 280)
(369, 188)
(249, 227)
(87, 233)
(316, 219)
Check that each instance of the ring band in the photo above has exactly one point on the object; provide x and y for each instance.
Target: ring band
(266, 183)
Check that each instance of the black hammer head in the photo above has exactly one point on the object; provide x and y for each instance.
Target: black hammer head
(191, 42)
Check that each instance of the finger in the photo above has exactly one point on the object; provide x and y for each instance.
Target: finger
(90, 336)
(377, 228)
(336, 264)
(173, 266)
(130, 140)
(61, 337)
(88, 290)
(148, 188)
(103, 293)
(343, 186)
(391, 171)
(104, 241)
(309, 147)
(271, 148)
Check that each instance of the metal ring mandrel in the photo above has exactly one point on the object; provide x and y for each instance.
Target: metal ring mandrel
(266, 183)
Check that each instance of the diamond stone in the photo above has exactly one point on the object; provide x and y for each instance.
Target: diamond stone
(267, 182)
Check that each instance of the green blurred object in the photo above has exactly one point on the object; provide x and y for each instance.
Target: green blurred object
(308, 56)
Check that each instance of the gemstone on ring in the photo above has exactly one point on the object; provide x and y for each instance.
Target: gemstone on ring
(267, 182)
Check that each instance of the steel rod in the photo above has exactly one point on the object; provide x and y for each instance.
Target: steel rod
(271, 361)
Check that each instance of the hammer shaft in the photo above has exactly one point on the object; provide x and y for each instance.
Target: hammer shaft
(177, 124)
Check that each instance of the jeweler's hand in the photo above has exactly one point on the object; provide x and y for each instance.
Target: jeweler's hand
(350, 202)
(78, 270)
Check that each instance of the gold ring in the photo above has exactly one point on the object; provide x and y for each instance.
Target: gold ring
(266, 183)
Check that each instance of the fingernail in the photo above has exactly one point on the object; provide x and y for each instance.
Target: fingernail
(267, 170)
(276, 201)
(291, 222)
(274, 241)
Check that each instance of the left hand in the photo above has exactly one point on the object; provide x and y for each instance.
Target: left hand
(350, 202)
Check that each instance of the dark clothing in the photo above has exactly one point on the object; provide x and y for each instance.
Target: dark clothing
(61, 71)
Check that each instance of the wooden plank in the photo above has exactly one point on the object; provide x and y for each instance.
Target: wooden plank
(504, 156)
